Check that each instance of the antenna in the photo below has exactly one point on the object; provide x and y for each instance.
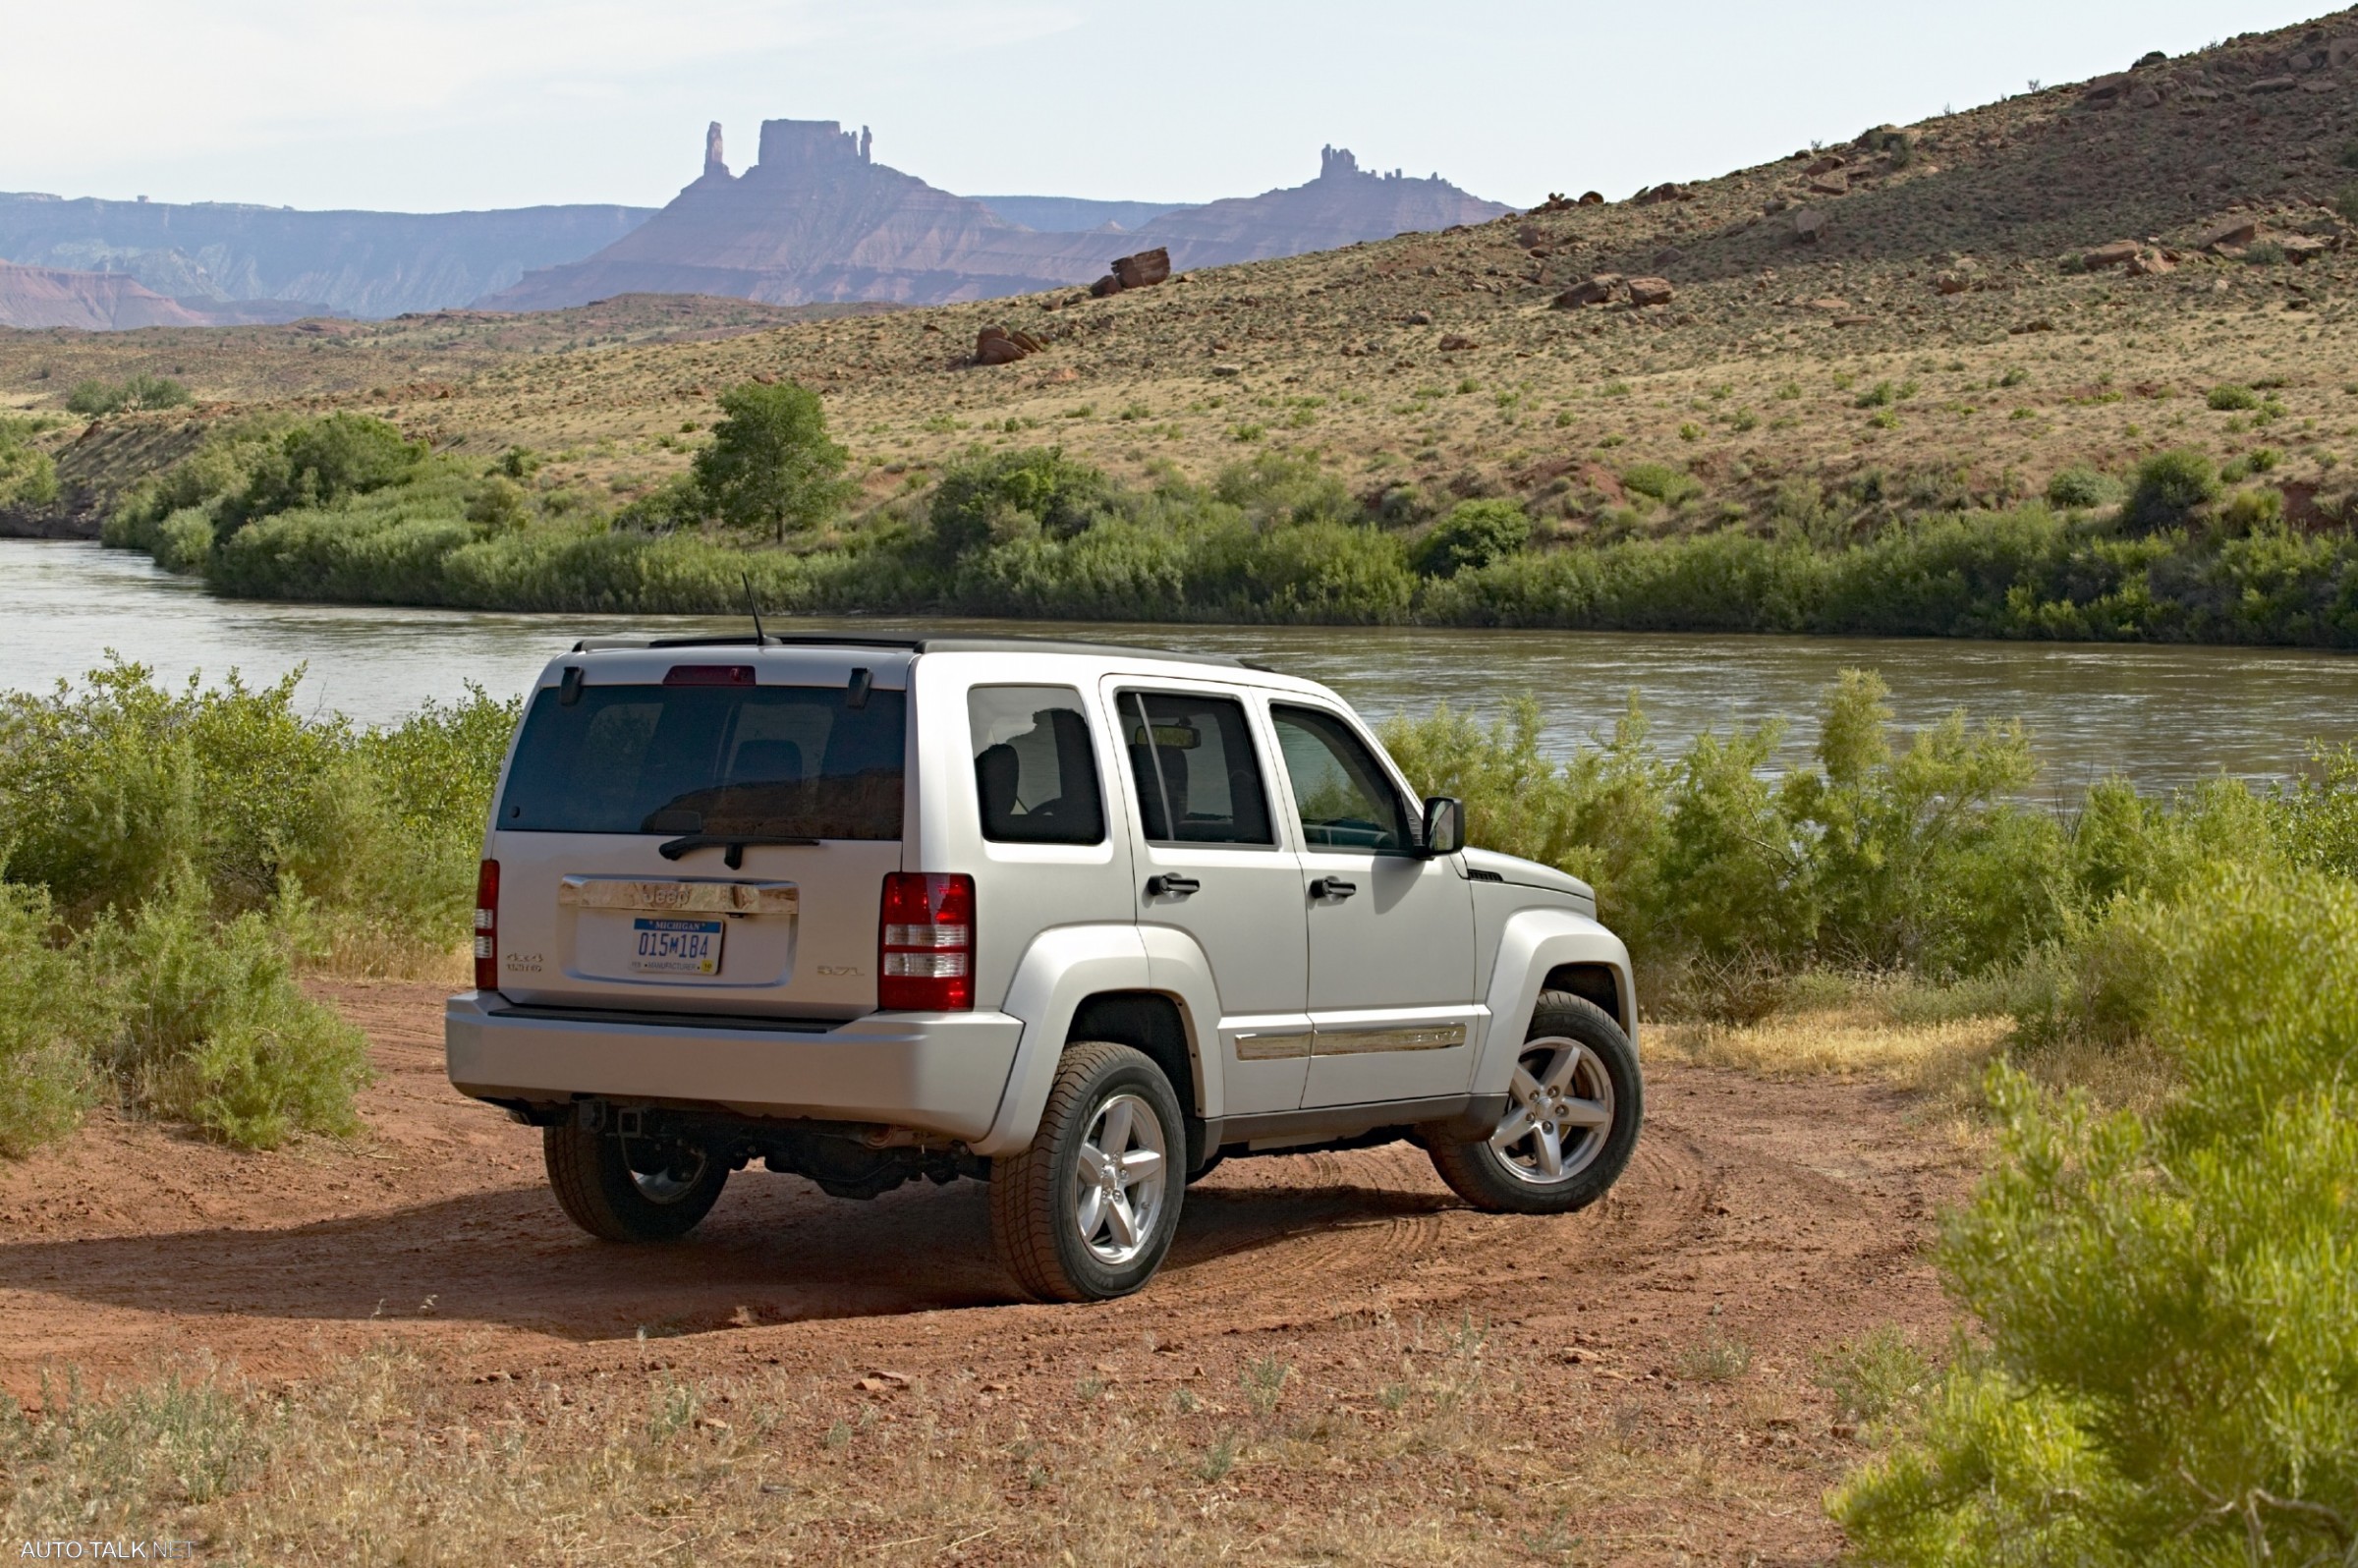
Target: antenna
(761, 638)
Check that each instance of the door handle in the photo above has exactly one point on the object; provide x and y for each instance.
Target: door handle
(1171, 886)
(1332, 887)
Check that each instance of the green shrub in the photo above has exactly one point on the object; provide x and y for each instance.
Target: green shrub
(1661, 482)
(223, 465)
(2251, 509)
(2264, 253)
(137, 392)
(2169, 1375)
(184, 541)
(997, 498)
(2079, 487)
(1475, 533)
(2170, 486)
(27, 475)
(500, 504)
(771, 466)
(49, 1016)
(2230, 398)
(1273, 487)
(214, 1029)
(320, 462)
(2313, 819)
(110, 794)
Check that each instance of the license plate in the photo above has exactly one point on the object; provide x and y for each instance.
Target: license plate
(675, 947)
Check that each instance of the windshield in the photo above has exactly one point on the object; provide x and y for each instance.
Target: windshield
(760, 762)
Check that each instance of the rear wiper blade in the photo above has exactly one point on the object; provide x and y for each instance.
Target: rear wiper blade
(735, 844)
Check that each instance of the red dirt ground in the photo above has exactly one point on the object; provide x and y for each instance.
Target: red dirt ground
(1786, 1216)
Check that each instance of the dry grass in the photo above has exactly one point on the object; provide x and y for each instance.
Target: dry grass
(1855, 1040)
(388, 1458)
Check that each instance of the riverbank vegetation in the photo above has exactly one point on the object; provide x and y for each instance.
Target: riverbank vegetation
(173, 858)
(2176, 549)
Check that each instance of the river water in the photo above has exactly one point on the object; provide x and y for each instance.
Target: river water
(2163, 716)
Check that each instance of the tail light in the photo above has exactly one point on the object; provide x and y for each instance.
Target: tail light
(926, 943)
(486, 926)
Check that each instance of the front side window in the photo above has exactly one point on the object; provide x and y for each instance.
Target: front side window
(767, 761)
(1036, 772)
(1192, 759)
(1345, 799)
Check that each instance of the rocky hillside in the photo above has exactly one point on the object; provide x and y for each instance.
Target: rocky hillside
(1956, 309)
(818, 218)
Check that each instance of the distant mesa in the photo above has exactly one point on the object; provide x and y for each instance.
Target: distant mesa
(37, 298)
(232, 262)
(816, 218)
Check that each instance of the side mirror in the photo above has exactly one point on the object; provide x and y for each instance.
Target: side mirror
(1445, 825)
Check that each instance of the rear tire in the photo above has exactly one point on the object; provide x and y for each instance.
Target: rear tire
(1571, 1121)
(1088, 1210)
(631, 1189)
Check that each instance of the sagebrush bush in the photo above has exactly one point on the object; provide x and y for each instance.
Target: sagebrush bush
(2170, 486)
(142, 391)
(48, 1014)
(1661, 482)
(211, 1027)
(2169, 1374)
(2082, 487)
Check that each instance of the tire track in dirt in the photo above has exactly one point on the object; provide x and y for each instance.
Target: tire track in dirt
(130, 1241)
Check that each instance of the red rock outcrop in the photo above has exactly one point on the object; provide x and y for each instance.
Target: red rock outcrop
(818, 218)
(96, 301)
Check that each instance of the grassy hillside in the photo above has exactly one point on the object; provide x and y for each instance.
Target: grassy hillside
(1942, 340)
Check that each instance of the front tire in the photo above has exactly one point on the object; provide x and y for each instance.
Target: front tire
(1088, 1211)
(1572, 1116)
(631, 1189)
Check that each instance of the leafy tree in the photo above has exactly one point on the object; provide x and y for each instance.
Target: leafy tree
(1003, 496)
(771, 465)
(1472, 535)
(320, 462)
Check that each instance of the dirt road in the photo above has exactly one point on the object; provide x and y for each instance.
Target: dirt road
(1777, 1219)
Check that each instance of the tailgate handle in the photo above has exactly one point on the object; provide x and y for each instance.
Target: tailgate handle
(1172, 886)
(1332, 887)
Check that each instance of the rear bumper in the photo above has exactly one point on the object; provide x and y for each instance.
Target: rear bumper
(936, 1073)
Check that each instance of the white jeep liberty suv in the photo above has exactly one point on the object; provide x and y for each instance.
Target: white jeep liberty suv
(1077, 920)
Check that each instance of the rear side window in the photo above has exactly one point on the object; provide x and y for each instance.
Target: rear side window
(769, 761)
(1197, 779)
(1035, 769)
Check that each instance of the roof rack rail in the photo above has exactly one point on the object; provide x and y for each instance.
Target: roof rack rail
(917, 644)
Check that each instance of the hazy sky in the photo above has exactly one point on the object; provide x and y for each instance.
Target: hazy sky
(437, 104)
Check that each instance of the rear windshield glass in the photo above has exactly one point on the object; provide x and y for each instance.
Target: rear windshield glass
(767, 761)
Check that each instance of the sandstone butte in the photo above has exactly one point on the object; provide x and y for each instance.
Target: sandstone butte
(816, 218)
